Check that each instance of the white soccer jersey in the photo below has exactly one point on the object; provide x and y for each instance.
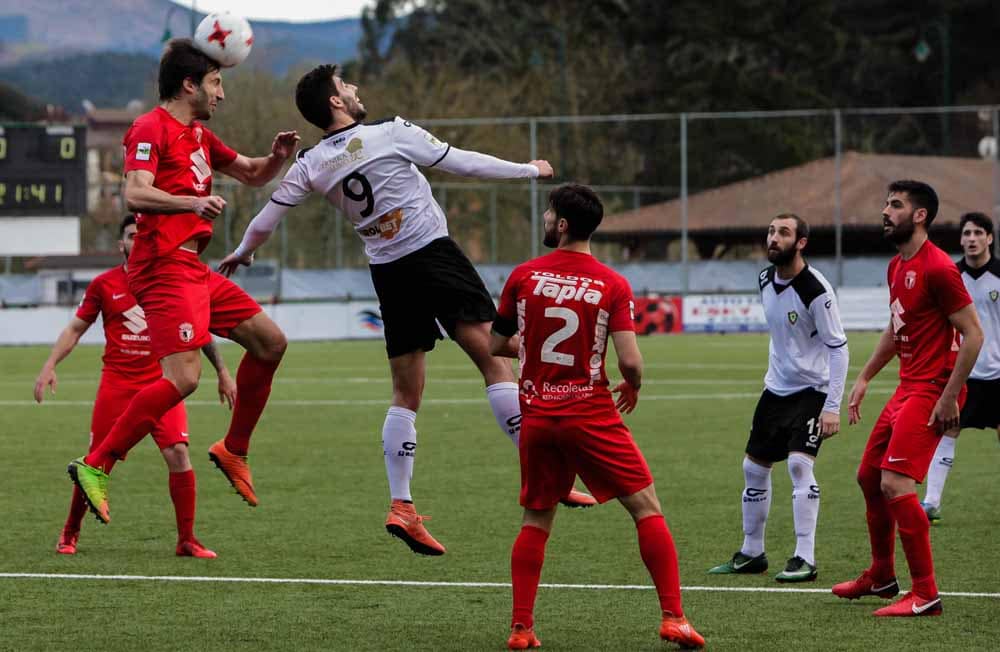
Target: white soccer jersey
(983, 284)
(804, 323)
(369, 171)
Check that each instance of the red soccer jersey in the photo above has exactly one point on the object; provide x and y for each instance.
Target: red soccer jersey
(181, 157)
(565, 304)
(923, 291)
(128, 362)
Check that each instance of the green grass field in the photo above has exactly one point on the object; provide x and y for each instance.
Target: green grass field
(319, 473)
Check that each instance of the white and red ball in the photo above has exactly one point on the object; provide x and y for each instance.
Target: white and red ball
(224, 37)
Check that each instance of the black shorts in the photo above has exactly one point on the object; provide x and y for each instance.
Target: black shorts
(982, 405)
(786, 424)
(435, 284)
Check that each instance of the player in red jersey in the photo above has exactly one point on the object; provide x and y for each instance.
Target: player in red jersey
(930, 308)
(563, 306)
(128, 367)
(169, 160)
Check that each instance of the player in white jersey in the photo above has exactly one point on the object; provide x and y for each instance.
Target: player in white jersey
(981, 275)
(800, 405)
(422, 278)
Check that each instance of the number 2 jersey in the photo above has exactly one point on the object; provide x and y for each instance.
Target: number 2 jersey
(128, 362)
(564, 306)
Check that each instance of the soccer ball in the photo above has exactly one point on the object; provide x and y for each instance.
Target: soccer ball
(224, 37)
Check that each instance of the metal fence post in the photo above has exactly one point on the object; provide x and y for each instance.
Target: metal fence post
(533, 186)
(838, 217)
(685, 280)
(338, 239)
(493, 224)
(283, 262)
(996, 174)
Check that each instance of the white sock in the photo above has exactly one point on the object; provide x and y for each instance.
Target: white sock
(805, 505)
(944, 457)
(399, 443)
(756, 505)
(506, 408)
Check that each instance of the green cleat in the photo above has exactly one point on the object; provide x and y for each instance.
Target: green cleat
(93, 483)
(741, 564)
(933, 513)
(797, 570)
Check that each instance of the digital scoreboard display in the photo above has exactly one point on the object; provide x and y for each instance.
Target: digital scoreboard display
(43, 170)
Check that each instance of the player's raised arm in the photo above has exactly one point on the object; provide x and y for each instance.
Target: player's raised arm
(257, 171)
(880, 357)
(65, 343)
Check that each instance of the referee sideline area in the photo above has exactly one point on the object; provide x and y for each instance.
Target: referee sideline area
(428, 584)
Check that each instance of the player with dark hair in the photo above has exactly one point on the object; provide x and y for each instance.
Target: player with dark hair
(128, 367)
(934, 330)
(800, 405)
(423, 280)
(981, 275)
(169, 161)
(563, 307)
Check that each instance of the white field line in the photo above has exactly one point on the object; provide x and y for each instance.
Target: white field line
(485, 585)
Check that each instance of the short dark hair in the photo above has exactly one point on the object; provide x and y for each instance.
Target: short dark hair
(127, 221)
(182, 60)
(920, 194)
(801, 226)
(313, 93)
(982, 220)
(579, 206)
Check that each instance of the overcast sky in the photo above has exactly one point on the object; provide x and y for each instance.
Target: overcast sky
(292, 10)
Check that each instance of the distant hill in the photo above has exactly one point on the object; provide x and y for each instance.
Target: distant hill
(16, 106)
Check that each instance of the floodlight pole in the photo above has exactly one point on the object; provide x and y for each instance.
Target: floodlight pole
(685, 279)
(996, 175)
(533, 184)
(838, 218)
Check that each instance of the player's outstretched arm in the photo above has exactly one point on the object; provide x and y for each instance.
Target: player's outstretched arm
(65, 343)
(883, 353)
(257, 171)
(142, 197)
(966, 322)
(227, 386)
(630, 366)
(466, 163)
(258, 231)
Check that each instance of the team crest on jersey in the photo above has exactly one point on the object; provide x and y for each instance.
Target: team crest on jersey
(186, 332)
(793, 317)
(353, 152)
(910, 280)
(994, 295)
(354, 146)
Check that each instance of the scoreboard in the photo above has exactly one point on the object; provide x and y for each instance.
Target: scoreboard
(43, 170)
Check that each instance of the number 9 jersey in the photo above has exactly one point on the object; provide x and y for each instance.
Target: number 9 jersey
(564, 306)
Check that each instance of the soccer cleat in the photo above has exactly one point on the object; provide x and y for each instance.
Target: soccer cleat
(797, 570)
(522, 638)
(193, 548)
(404, 523)
(933, 513)
(67, 543)
(911, 605)
(679, 631)
(578, 499)
(236, 470)
(866, 585)
(742, 564)
(93, 483)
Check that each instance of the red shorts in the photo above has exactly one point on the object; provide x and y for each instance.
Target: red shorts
(599, 449)
(111, 401)
(185, 302)
(901, 440)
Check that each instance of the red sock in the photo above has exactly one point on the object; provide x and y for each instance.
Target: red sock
(137, 421)
(253, 386)
(182, 492)
(881, 524)
(656, 546)
(915, 533)
(77, 510)
(526, 561)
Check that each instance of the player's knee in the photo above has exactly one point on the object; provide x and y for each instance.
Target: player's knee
(799, 468)
(177, 458)
(642, 504)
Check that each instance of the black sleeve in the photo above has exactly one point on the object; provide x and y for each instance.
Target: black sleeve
(505, 327)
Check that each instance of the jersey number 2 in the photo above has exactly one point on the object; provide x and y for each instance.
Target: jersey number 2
(365, 195)
(549, 354)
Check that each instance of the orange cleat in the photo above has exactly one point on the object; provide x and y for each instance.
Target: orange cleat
(67, 543)
(911, 605)
(193, 548)
(236, 470)
(522, 638)
(578, 499)
(866, 585)
(404, 522)
(678, 630)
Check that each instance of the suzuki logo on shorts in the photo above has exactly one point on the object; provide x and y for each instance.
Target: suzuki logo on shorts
(135, 319)
(202, 170)
(186, 332)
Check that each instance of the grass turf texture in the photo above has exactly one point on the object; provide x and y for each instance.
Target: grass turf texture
(319, 473)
